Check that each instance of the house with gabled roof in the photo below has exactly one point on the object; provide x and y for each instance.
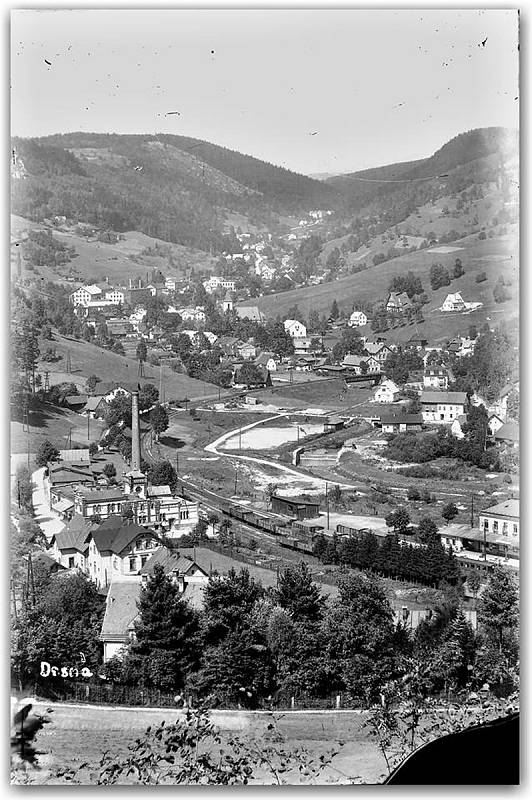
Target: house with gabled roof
(118, 548)
(387, 392)
(443, 407)
(398, 302)
(70, 546)
(121, 611)
(266, 360)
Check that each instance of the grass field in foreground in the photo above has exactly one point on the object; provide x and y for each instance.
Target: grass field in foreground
(79, 735)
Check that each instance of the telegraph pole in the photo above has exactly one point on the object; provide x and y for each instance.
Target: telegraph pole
(327, 502)
(88, 426)
(472, 511)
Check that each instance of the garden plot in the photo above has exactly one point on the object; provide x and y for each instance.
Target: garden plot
(268, 438)
(445, 249)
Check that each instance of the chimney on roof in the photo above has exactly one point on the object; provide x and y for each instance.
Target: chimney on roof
(135, 431)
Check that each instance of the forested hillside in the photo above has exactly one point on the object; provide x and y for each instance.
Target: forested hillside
(169, 187)
(478, 156)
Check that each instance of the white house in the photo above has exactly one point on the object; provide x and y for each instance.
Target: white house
(358, 319)
(457, 426)
(215, 282)
(453, 302)
(295, 328)
(378, 350)
(190, 314)
(502, 518)
(495, 423)
(387, 392)
(84, 295)
(115, 296)
(267, 361)
(436, 378)
(442, 407)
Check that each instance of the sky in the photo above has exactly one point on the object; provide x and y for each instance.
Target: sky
(315, 91)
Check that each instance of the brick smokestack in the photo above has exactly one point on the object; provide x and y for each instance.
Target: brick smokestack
(135, 432)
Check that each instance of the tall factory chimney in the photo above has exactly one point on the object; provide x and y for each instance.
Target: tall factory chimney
(135, 432)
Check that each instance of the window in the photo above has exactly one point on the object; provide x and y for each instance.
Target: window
(486, 524)
(138, 544)
(132, 564)
(147, 544)
(71, 561)
(515, 527)
(505, 528)
(115, 563)
(143, 560)
(495, 526)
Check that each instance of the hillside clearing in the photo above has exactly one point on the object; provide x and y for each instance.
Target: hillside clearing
(88, 359)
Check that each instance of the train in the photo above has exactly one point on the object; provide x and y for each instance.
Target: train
(276, 524)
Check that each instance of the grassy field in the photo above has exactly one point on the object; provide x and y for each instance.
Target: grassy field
(121, 261)
(81, 734)
(54, 424)
(89, 359)
(316, 393)
(494, 256)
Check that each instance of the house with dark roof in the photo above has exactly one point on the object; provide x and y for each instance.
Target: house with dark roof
(443, 408)
(70, 546)
(508, 435)
(295, 507)
(117, 549)
(95, 406)
(398, 302)
(266, 360)
(400, 422)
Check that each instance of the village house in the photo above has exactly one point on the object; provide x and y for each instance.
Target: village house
(192, 314)
(377, 350)
(246, 350)
(295, 507)
(457, 427)
(70, 547)
(84, 295)
(508, 435)
(266, 360)
(215, 282)
(401, 422)
(442, 407)
(455, 302)
(501, 518)
(115, 296)
(500, 407)
(117, 549)
(494, 423)
(436, 378)
(398, 302)
(227, 303)
(302, 344)
(387, 392)
(294, 328)
(121, 611)
(358, 319)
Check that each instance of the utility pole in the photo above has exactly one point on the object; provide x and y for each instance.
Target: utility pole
(471, 510)
(88, 426)
(327, 502)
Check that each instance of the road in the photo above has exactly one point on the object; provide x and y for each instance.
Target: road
(48, 520)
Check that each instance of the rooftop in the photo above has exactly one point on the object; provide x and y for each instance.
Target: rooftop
(444, 397)
(508, 508)
(120, 609)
